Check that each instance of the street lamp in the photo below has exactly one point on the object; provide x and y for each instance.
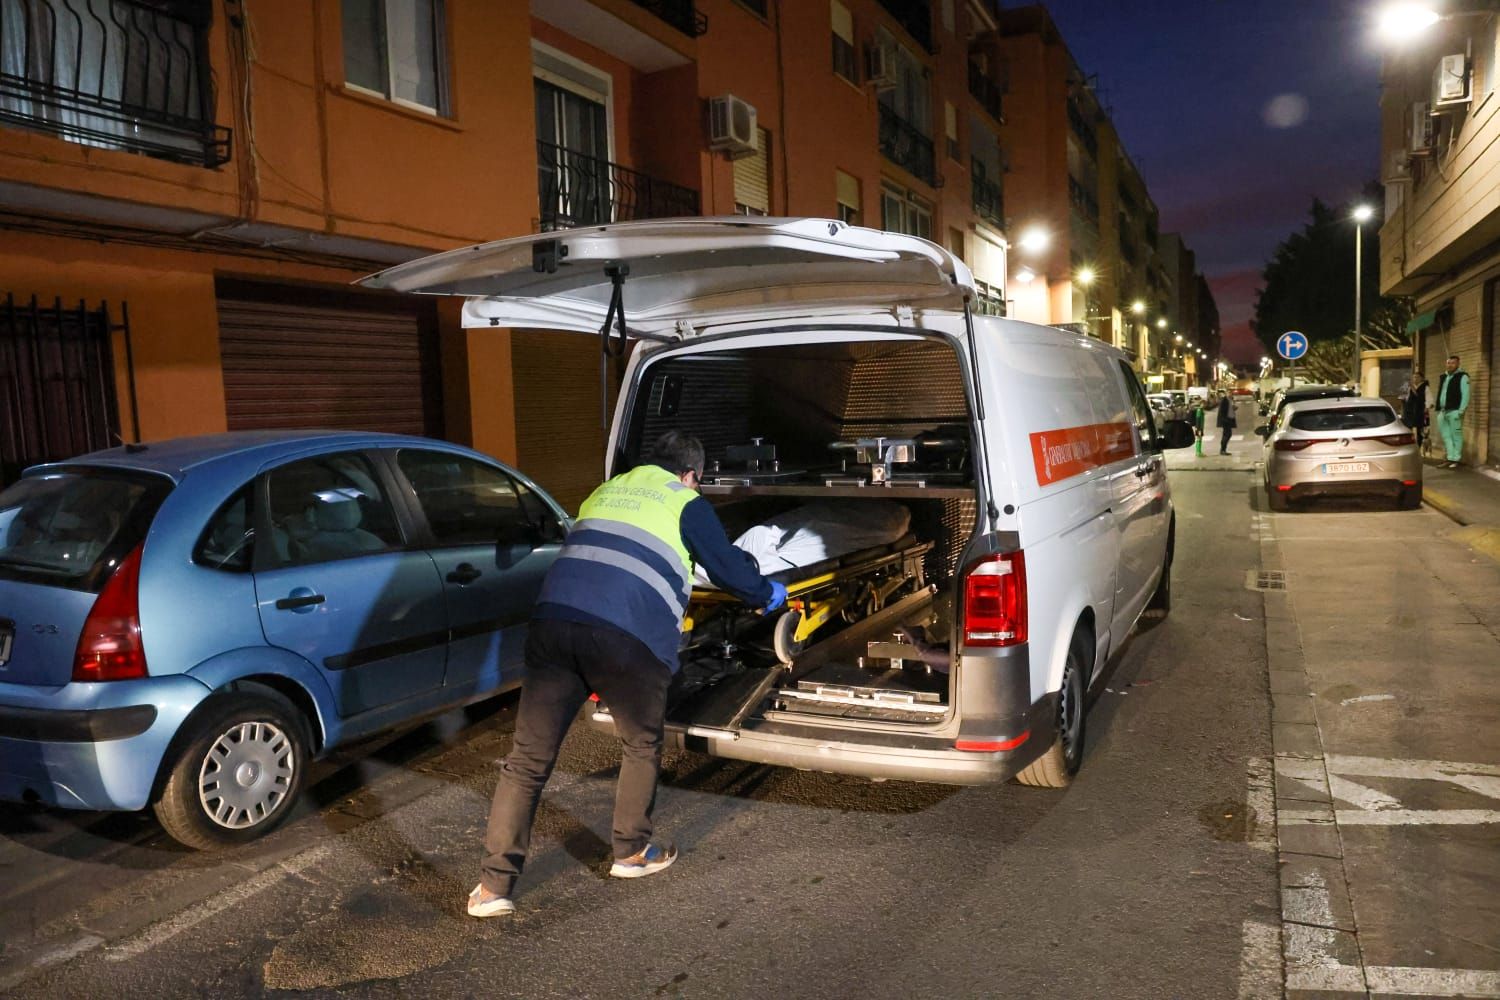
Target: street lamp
(1161, 324)
(1138, 307)
(1025, 275)
(1035, 240)
(1362, 214)
(1401, 21)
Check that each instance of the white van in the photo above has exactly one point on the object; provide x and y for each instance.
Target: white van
(828, 369)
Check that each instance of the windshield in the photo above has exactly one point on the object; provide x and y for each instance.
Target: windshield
(67, 528)
(1355, 418)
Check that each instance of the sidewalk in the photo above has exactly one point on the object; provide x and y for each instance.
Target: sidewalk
(1470, 497)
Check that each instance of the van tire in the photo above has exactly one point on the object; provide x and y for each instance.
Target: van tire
(280, 735)
(1160, 604)
(1056, 767)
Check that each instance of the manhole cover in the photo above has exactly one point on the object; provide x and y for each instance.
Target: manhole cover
(1266, 579)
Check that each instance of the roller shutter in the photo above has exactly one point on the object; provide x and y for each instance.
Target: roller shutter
(294, 359)
(559, 439)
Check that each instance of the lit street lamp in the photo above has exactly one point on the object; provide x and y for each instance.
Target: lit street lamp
(1035, 240)
(1400, 21)
(1362, 214)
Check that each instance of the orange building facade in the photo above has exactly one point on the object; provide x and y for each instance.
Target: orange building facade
(188, 189)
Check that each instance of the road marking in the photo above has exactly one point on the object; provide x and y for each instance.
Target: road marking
(1429, 770)
(1368, 697)
(1359, 796)
(1408, 981)
(1309, 903)
(61, 954)
(1260, 796)
(197, 913)
(1260, 962)
(1394, 817)
(1377, 808)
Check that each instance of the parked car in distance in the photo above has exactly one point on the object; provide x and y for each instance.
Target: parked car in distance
(1341, 446)
(1168, 405)
(185, 624)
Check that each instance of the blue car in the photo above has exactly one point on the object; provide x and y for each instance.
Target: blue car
(185, 624)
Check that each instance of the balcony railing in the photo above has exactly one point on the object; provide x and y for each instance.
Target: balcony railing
(581, 190)
(985, 91)
(680, 14)
(988, 200)
(1083, 199)
(903, 144)
(913, 15)
(117, 74)
(1083, 129)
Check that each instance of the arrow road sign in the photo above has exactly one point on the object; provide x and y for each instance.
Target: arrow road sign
(1291, 345)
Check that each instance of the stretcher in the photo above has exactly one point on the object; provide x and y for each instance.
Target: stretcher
(851, 587)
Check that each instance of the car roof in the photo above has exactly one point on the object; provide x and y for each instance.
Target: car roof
(175, 456)
(1318, 390)
(1336, 403)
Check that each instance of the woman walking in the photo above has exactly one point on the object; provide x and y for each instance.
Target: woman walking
(1414, 408)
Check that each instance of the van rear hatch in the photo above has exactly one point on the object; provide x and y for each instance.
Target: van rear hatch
(63, 531)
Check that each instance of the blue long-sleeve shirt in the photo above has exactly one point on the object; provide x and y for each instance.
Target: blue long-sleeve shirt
(730, 568)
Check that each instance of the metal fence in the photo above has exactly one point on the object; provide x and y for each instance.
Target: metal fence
(581, 190)
(119, 74)
(57, 382)
(904, 145)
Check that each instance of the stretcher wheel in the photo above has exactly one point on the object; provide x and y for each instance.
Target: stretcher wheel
(783, 639)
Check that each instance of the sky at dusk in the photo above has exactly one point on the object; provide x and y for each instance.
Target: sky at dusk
(1238, 113)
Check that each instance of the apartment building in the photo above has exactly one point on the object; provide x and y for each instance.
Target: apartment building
(1440, 243)
(187, 190)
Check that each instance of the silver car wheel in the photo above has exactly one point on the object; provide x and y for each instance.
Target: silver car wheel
(1070, 714)
(246, 775)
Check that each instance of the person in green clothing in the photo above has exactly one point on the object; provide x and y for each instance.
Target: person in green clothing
(1452, 401)
(1198, 425)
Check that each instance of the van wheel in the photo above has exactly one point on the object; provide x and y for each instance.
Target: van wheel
(1056, 767)
(238, 772)
(1160, 604)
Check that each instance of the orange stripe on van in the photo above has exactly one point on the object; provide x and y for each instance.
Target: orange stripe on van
(1071, 451)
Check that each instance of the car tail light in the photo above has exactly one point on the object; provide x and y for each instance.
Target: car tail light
(110, 647)
(1297, 444)
(1396, 440)
(995, 601)
(991, 746)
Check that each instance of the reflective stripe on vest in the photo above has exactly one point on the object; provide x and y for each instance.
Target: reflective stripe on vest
(642, 507)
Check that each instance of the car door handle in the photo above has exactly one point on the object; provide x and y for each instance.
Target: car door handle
(1142, 471)
(298, 601)
(464, 573)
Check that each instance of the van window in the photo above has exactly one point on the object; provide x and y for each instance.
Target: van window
(1145, 423)
(70, 528)
(1355, 418)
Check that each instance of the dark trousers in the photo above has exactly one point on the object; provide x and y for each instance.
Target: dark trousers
(1224, 439)
(565, 663)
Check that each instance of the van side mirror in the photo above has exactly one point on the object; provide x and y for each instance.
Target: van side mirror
(1178, 434)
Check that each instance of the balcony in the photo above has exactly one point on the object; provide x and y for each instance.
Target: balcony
(680, 14)
(115, 74)
(913, 15)
(989, 203)
(1083, 129)
(1083, 200)
(580, 190)
(986, 92)
(903, 144)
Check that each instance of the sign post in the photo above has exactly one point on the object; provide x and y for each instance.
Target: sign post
(1291, 345)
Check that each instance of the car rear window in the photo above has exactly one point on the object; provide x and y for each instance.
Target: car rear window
(1354, 418)
(70, 527)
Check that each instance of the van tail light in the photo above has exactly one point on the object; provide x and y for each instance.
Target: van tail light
(995, 601)
(1297, 444)
(110, 647)
(1397, 440)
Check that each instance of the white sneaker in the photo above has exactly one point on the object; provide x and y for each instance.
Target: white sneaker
(647, 861)
(483, 903)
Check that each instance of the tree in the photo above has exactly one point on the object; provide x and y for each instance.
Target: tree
(1309, 286)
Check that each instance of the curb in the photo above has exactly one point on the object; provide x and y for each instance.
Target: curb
(1445, 505)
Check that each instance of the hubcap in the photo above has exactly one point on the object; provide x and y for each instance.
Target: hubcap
(246, 775)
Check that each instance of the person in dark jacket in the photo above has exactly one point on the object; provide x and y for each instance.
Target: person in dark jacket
(1226, 421)
(1452, 402)
(608, 622)
(1414, 406)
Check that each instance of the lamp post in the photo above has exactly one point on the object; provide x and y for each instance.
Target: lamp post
(1362, 214)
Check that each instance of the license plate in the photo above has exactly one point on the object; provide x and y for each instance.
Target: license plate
(1334, 468)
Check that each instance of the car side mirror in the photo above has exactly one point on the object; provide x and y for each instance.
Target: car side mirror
(1264, 430)
(1178, 434)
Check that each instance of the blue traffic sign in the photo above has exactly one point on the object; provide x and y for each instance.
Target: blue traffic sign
(1291, 345)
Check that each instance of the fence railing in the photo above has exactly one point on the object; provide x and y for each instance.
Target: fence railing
(681, 14)
(986, 92)
(905, 145)
(913, 15)
(118, 74)
(988, 198)
(1083, 199)
(57, 382)
(581, 190)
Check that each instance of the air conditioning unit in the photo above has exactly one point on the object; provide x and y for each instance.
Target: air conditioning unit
(880, 66)
(1397, 168)
(1423, 129)
(1450, 79)
(732, 126)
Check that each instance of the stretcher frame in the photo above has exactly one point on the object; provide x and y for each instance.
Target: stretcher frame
(854, 589)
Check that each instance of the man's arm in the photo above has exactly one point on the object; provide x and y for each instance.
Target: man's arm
(729, 568)
(1463, 394)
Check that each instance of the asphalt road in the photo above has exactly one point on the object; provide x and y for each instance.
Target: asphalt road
(1154, 875)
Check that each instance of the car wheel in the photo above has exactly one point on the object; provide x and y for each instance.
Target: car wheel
(1056, 767)
(238, 771)
(1410, 498)
(1277, 501)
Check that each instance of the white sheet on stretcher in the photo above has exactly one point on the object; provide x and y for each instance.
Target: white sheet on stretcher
(811, 533)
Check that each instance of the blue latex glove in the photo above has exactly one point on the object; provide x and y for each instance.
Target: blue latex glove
(778, 597)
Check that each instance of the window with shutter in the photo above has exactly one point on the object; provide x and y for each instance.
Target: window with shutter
(845, 63)
(847, 195)
(752, 179)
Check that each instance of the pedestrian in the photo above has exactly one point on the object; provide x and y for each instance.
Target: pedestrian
(1198, 414)
(1414, 406)
(1226, 421)
(608, 621)
(1452, 401)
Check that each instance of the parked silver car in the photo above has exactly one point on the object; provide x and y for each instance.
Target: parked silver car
(1340, 447)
